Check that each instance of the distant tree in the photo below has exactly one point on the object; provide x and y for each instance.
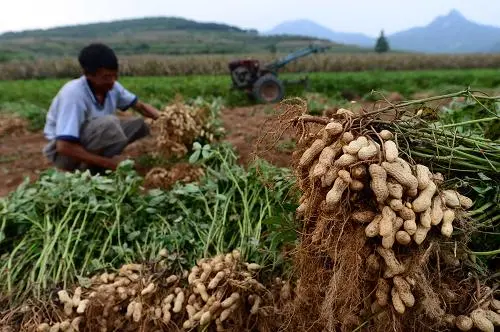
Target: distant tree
(273, 49)
(382, 44)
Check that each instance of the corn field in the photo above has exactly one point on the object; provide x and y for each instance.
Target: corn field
(155, 65)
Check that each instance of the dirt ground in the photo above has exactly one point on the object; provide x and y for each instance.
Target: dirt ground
(21, 150)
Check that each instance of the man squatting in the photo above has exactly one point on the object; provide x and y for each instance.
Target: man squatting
(81, 126)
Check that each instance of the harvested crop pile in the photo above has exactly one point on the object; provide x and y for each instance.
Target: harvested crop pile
(159, 177)
(222, 293)
(180, 124)
(383, 242)
(11, 125)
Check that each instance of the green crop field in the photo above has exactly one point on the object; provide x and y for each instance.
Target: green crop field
(40, 92)
(32, 97)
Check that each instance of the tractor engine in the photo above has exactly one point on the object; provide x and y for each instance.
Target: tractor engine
(244, 73)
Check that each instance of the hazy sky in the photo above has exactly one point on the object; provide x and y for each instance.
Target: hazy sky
(339, 15)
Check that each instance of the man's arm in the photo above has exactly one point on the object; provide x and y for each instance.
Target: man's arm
(146, 110)
(127, 99)
(78, 152)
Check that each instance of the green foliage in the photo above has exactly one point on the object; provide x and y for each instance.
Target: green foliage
(382, 45)
(68, 225)
(474, 113)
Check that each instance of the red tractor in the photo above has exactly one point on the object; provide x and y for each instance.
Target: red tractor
(263, 83)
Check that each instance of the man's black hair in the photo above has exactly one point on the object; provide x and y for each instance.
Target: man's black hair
(95, 56)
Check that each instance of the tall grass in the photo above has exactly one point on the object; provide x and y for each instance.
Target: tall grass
(157, 65)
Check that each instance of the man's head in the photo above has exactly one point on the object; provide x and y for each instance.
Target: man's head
(100, 66)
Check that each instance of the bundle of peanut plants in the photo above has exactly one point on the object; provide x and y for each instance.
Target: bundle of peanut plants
(63, 227)
(220, 293)
(385, 225)
(181, 123)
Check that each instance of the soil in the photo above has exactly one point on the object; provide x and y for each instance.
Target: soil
(20, 157)
(244, 126)
(21, 151)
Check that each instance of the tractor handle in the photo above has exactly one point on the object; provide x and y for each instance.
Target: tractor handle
(273, 66)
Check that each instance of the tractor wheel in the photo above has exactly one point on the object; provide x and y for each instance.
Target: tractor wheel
(268, 89)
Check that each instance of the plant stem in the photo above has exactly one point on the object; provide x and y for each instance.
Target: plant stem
(468, 122)
(481, 209)
(485, 253)
(418, 101)
(468, 156)
(456, 161)
(473, 140)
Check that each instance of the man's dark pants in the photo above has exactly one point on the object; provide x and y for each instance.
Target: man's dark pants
(107, 136)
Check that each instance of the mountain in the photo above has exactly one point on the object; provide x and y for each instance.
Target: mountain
(151, 35)
(496, 48)
(451, 33)
(310, 28)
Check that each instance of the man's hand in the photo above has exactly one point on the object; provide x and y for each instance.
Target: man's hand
(116, 160)
(147, 110)
(78, 152)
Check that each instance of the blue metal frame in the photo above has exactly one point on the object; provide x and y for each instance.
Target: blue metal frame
(294, 56)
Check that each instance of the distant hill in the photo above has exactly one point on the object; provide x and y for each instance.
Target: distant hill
(451, 33)
(310, 28)
(496, 48)
(153, 35)
(94, 30)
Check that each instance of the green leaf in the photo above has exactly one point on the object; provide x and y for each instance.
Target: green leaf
(194, 157)
(192, 188)
(275, 220)
(155, 192)
(84, 282)
(481, 190)
(289, 207)
(206, 153)
(221, 197)
(196, 146)
(483, 177)
(132, 236)
(106, 187)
